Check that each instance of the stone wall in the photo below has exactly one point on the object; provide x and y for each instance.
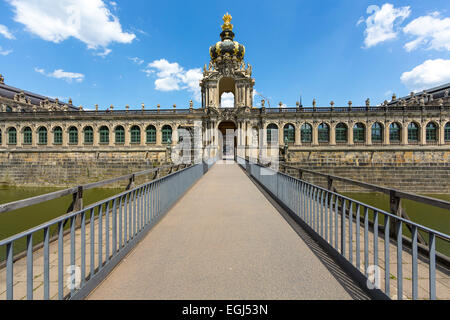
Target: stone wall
(426, 171)
(63, 169)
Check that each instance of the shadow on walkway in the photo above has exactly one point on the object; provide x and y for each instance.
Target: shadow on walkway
(347, 282)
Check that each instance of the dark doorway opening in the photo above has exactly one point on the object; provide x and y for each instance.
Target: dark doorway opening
(227, 140)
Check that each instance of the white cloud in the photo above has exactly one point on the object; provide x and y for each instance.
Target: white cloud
(61, 74)
(4, 31)
(137, 60)
(382, 23)
(429, 74)
(89, 21)
(227, 100)
(430, 31)
(4, 52)
(173, 77)
(104, 53)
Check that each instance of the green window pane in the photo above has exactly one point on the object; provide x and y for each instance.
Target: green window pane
(151, 134)
(104, 135)
(57, 136)
(431, 132)
(120, 135)
(377, 133)
(135, 135)
(289, 133)
(324, 133)
(42, 135)
(359, 134)
(306, 133)
(413, 132)
(73, 136)
(394, 133)
(447, 132)
(341, 133)
(166, 134)
(12, 136)
(27, 136)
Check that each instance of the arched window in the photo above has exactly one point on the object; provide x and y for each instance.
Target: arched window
(447, 132)
(359, 133)
(8, 109)
(27, 136)
(104, 135)
(120, 135)
(395, 132)
(167, 134)
(377, 132)
(306, 133)
(272, 133)
(73, 135)
(413, 132)
(151, 134)
(289, 133)
(341, 133)
(88, 135)
(12, 136)
(42, 135)
(57, 135)
(135, 135)
(324, 133)
(431, 132)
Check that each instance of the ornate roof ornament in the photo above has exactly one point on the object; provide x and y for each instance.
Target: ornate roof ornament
(227, 25)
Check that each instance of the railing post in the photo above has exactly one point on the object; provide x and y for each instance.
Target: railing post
(396, 208)
(131, 183)
(77, 204)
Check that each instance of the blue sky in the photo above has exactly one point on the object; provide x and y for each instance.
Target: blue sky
(129, 52)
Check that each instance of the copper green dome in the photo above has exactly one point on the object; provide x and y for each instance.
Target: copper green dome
(227, 48)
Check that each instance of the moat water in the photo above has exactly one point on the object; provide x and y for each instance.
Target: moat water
(23, 219)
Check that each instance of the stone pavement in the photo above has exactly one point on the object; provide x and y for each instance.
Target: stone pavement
(225, 240)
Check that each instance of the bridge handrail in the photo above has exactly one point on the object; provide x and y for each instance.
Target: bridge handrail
(7, 207)
(121, 221)
(390, 191)
(315, 206)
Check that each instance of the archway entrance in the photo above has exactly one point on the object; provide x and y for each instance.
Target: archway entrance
(227, 140)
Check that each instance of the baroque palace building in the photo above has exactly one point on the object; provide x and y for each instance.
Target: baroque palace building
(33, 123)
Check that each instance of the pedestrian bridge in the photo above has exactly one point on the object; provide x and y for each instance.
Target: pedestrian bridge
(225, 231)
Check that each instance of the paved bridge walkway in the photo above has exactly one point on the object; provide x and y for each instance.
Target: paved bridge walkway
(225, 240)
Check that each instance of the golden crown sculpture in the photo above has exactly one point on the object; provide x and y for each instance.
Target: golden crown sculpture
(227, 19)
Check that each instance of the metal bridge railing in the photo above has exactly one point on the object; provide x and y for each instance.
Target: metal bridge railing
(343, 224)
(96, 239)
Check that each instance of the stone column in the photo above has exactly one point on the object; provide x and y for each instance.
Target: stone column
(350, 133)
(404, 134)
(298, 140)
(158, 135)
(127, 134)
(315, 134)
(65, 136)
(175, 137)
(34, 136)
(96, 136)
(281, 134)
(333, 135)
(441, 132)
(368, 133)
(423, 134)
(386, 134)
